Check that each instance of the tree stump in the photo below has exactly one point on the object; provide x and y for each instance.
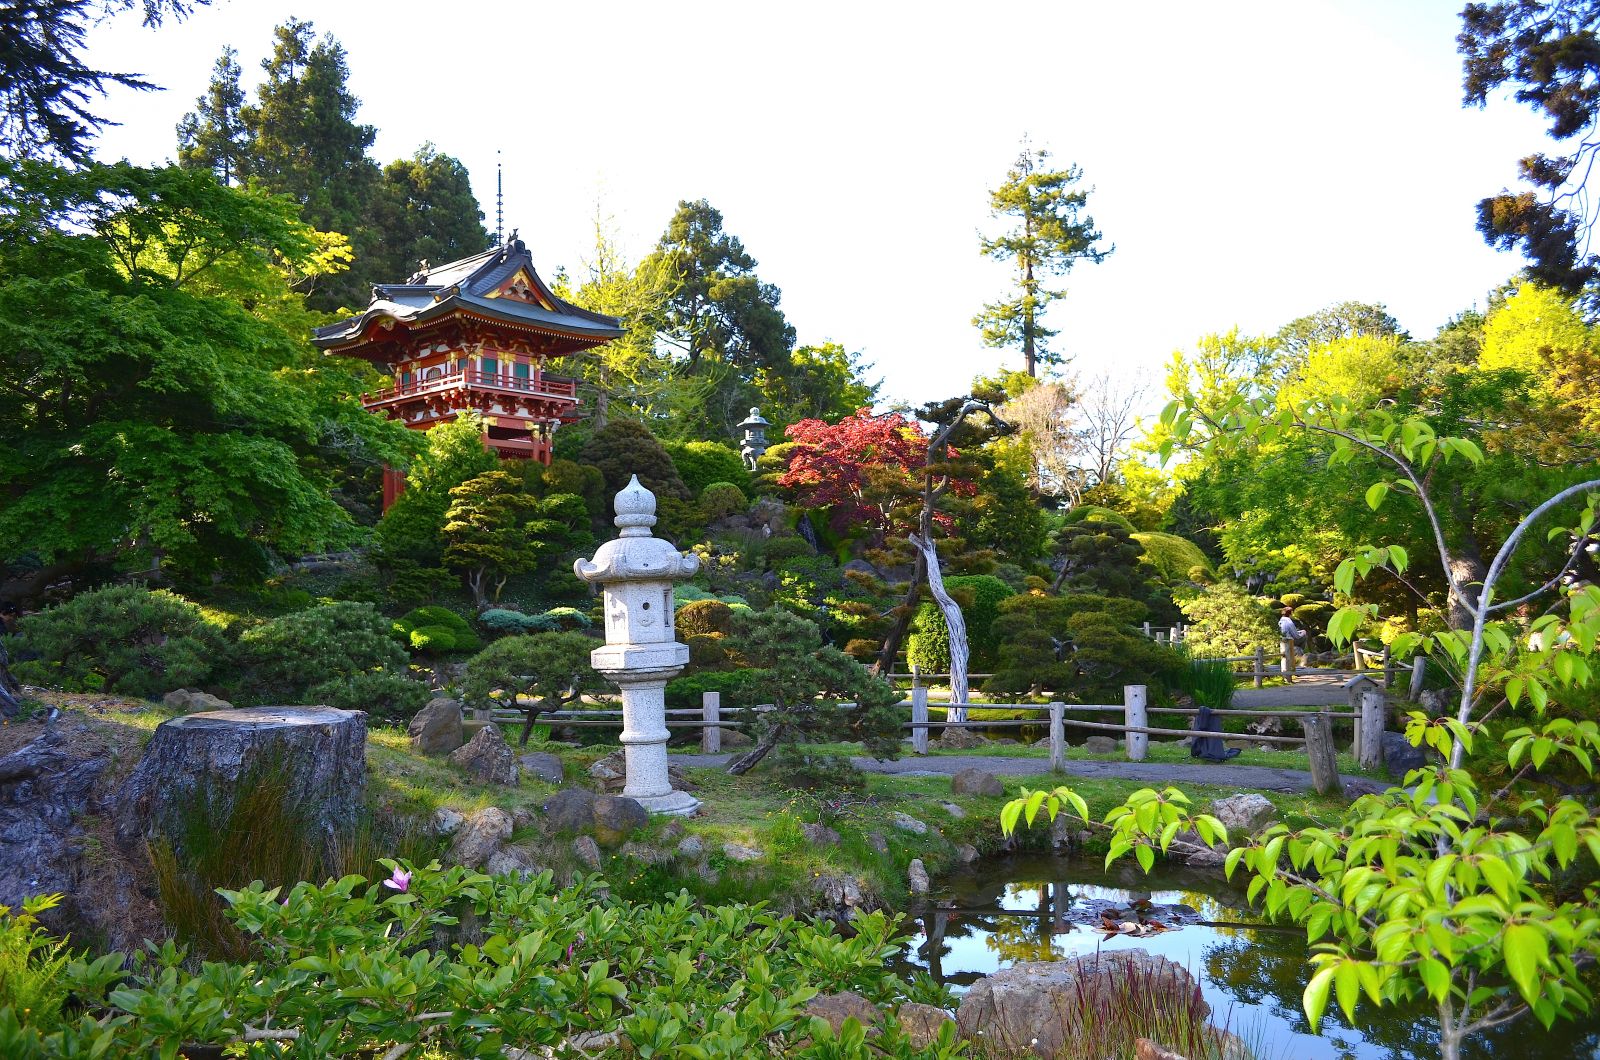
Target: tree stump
(199, 764)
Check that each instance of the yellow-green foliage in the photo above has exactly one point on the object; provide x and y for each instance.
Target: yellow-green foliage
(1172, 556)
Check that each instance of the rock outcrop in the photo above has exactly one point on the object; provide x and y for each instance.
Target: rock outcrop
(974, 781)
(488, 757)
(1244, 815)
(190, 702)
(480, 836)
(436, 729)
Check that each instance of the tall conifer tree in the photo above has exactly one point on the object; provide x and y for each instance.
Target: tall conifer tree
(212, 136)
(1051, 234)
(423, 207)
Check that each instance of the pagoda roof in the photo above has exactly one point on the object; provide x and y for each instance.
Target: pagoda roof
(474, 284)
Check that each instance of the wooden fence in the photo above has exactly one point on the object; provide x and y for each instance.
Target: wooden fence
(1134, 726)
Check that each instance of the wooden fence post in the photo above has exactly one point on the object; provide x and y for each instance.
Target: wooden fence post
(1388, 667)
(1147, 629)
(1372, 710)
(1058, 739)
(1261, 665)
(1419, 667)
(916, 676)
(1133, 705)
(1175, 635)
(919, 720)
(1320, 750)
(1286, 659)
(711, 734)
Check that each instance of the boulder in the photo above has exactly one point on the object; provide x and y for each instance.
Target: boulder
(837, 892)
(921, 1024)
(611, 772)
(645, 852)
(616, 816)
(917, 877)
(587, 852)
(1400, 756)
(510, 862)
(446, 821)
(953, 810)
(907, 823)
(691, 846)
(740, 852)
(436, 728)
(730, 738)
(569, 810)
(1244, 815)
(189, 702)
(488, 757)
(1100, 745)
(877, 842)
(960, 740)
(480, 835)
(974, 781)
(861, 566)
(542, 764)
(819, 835)
(672, 830)
(1036, 1007)
(966, 853)
(315, 756)
(836, 1008)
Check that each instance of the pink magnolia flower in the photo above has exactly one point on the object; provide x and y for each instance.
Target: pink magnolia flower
(400, 881)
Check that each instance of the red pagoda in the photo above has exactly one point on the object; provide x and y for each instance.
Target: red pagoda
(474, 334)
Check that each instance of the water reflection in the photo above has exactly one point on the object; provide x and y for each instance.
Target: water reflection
(1252, 974)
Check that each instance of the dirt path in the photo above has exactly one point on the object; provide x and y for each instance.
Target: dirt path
(1251, 778)
(1307, 691)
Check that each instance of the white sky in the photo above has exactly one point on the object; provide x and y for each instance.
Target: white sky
(1252, 162)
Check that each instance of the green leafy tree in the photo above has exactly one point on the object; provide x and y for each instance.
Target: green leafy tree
(1225, 621)
(806, 683)
(825, 382)
(1051, 234)
(1343, 320)
(422, 208)
(410, 539)
(146, 415)
(548, 670)
(306, 655)
(980, 597)
(212, 136)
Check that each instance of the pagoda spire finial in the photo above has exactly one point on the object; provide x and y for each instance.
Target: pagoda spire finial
(499, 199)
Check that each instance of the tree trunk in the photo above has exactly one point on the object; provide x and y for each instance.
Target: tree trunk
(10, 688)
(752, 758)
(203, 763)
(955, 623)
(602, 408)
(897, 633)
(1467, 566)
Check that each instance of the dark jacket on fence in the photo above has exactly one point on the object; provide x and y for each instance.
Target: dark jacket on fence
(1209, 747)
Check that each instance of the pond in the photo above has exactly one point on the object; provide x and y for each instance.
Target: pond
(1038, 908)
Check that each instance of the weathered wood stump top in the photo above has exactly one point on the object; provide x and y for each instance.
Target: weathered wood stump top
(255, 718)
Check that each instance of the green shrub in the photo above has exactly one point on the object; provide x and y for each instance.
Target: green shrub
(702, 464)
(124, 638)
(435, 630)
(704, 618)
(979, 596)
(863, 649)
(33, 983)
(1210, 682)
(722, 499)
(1093, 513)
(781, 551)
(794, 767)
(284, 658)
(569, 618)
(622, 449)
(549, 669)
(384, 694)
(505, 622)
(543, 965)
(1081, 646)
(686, 691)
(706, 651)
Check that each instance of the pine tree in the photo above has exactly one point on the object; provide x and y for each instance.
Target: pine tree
(1051, 235)
(212, 136)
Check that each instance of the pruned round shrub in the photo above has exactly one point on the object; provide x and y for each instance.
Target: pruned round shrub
(706, 651)
(286, 657)
(702, 463)
(687, 691)
(435, 629)
(383, 694)
(1094, 513)
(569, 618)
(1173, 557)
(507, 622)
(979, 596)
(704, 618)
(123, 638)
(781, 550)
(862, 649)
(722, 499)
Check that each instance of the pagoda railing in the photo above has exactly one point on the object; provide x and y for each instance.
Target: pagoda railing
(543, 385)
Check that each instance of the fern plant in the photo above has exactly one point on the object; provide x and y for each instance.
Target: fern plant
(31, 964)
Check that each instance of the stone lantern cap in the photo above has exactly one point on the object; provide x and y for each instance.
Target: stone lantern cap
(755, 420)
(635, 555)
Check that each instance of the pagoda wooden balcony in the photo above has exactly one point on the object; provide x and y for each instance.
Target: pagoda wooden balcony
(536, 386)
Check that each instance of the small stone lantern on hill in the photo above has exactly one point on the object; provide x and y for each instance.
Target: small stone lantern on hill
(755, 438)
(641, 653)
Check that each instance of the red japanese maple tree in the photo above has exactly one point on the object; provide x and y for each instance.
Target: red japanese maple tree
(862, 468)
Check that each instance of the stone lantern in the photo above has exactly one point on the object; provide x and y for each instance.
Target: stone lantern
(641, 654)
(755, 438)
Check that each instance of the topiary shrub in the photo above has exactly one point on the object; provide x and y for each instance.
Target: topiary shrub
(687, 691)
(863, 649)
(704, 618)
(706, 651)
(1093, 513)
(548, 670)
(781, 551)
(436, 630)
(1173, 557)
(286, 657)
(979, 596)
(383, 694)
(124, 638)
(569, 618)
(622, 449)
(722, 499)
(700, 464)
(1226, 621)
(506, 622)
